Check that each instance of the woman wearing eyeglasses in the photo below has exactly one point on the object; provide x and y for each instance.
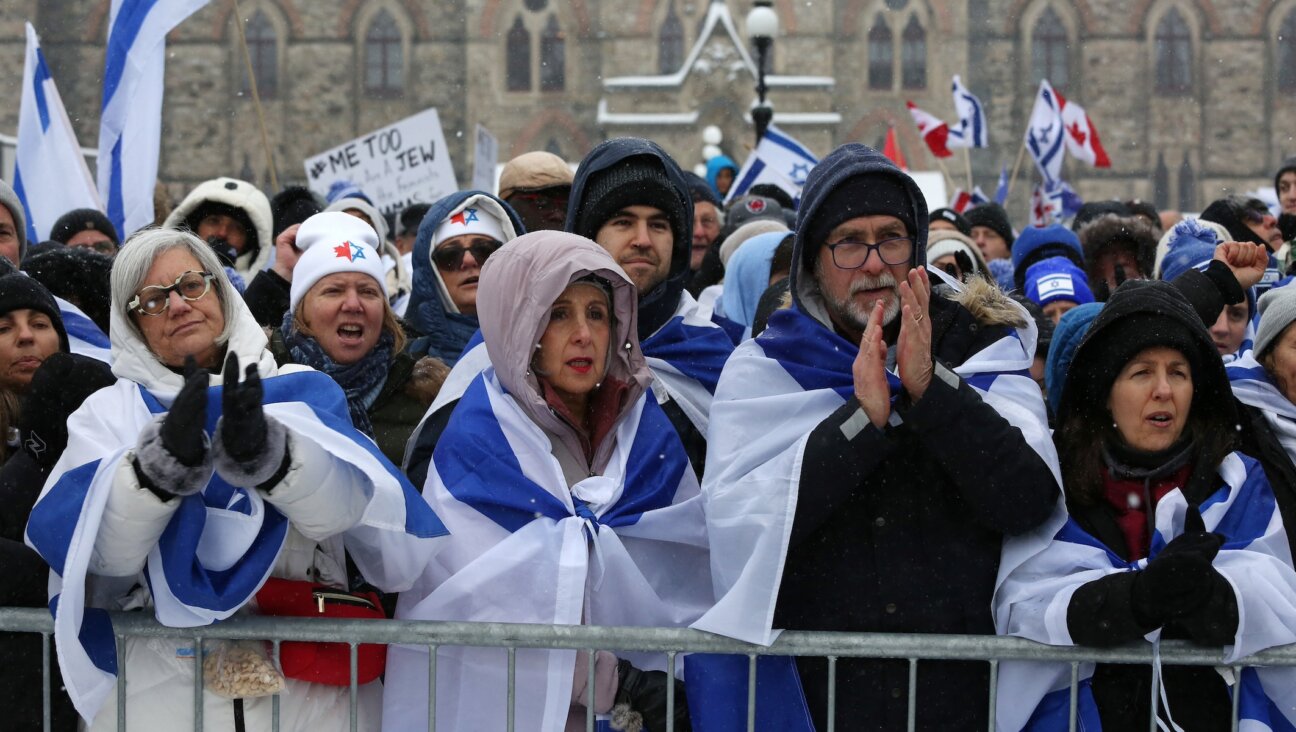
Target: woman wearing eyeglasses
(204, 471)
(457, 235)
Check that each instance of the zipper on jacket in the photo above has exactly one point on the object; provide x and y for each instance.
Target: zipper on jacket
(342, 598)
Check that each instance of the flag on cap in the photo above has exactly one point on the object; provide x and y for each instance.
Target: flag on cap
(50, 174)
(934, 131)
(892, 150)
(1081, 135)
(130, 122)
(1044, 135)
(779, 159)
(971, 130)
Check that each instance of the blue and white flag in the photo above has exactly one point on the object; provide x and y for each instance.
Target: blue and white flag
(627, 547)
(219, 545)
(1045, 134)
(1034, 596)
(1001, 189)
(130, 122)
(778, 159)
(971, 129)
(50, 173)
(84, 337)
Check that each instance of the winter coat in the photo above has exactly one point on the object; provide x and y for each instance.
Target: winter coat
(445, 331)
(896, 529)
(322, 495)
(238, 194)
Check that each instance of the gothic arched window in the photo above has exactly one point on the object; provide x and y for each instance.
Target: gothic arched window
(553, 71)
(1173, 55)
(263, 47)
(670, 44)
(1050, 52)
(518, 56)
(881, 54)
(384, 64)
(913, 61)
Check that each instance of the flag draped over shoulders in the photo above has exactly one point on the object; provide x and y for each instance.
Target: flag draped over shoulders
(627, 547)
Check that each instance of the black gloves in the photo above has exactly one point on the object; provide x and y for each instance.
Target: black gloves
(645, 692)
(182, 429)
(244, 432)
(57, 388)
(1180, 579)
(251, 449)
(172, 458)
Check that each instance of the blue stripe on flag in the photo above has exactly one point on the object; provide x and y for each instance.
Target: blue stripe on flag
(41, 75)
(697, 352)
(1072, 533)
(1249, 512)
(81, 328)
(125, 29)
(717, 694)
(753, 173)
(815, 356)
(116, 206)
(1255, 706)
(96, 636)
(789, 144)
(54, 518)
(650, 467)
(1054, 710)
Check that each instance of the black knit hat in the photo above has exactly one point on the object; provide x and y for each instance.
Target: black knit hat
(868, 194)
(18, 292)
(954, 217)
(1231, 213)
(636, 181)
(293, 205)
(1092, 210)
(992, 216)
(701, 191)
(82, 219)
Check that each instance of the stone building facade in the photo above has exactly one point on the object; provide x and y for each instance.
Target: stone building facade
(1193, 98)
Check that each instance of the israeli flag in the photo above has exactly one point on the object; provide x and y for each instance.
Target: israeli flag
(971, 130)
(130, 123)
(50, 174)
(84, 337)
(779, 159)
(1041, 570)
(1045, 135)
(219, 545)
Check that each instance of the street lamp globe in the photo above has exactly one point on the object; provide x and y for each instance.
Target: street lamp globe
(762, 21)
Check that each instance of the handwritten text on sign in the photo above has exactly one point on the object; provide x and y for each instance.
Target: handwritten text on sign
(398, 165)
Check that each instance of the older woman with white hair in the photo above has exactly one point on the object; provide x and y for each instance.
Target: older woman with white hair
(207, 477)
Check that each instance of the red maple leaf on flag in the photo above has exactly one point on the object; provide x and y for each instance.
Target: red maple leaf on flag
(458, 219)
(1077, 133)
(343, 250)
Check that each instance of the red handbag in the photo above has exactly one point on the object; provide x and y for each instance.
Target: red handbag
(319, 662)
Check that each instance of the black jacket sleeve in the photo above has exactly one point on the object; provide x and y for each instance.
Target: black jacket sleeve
(842, 450)
(1209, 290)
(267, 297)
(26, 576)
(1004, 483)
(426, 436)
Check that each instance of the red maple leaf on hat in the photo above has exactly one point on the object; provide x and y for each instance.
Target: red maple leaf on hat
(343, 250)
(755, 205)
(458, 219)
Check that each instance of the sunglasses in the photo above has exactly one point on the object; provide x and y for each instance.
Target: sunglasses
(452, 257)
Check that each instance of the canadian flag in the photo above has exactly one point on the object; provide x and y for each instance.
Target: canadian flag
(1081, 135)
(934, 132)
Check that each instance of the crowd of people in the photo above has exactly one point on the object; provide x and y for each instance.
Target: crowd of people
(619, 396)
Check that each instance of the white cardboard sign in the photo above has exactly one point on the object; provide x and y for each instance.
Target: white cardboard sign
(403, 163)
(485, 158)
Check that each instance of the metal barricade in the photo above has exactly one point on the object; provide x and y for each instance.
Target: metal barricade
(670, 641)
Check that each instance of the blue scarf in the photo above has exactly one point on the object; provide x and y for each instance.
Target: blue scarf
(446, 333)
(360, 381)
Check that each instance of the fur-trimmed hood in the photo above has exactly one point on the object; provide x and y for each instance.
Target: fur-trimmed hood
(236, 194)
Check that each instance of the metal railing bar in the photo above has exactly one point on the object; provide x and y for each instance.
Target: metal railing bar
(1237, 695)
(663, 640)
(913, 695)
(432, 687)
(45, 681)
(512, 685)
(274, 700)
(1156, 696)
(589, 706)
(751, 692)
(1074, 712)
(832, 693)
(994, 693)
(198, 684)
(670, 691)
(355, 688)
(121, 681)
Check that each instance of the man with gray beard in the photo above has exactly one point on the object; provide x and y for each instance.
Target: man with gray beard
(907, 481)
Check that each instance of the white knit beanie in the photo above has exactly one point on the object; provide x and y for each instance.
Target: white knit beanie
(333, 242)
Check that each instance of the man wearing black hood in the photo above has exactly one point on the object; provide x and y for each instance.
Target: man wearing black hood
(631, 198)
(1248, 219)
(903, 481)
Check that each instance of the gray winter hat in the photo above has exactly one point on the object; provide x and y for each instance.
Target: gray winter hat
(9, 200)
(1277, 311)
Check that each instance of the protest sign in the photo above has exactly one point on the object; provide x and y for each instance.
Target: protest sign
(485, 158)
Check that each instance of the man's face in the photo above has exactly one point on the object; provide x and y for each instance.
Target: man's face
(992, 245)
(1265, 226)
(850, 294)
(939, 224)
(542, 209)
(1287, 192)
(223, 227)
(706, 227)
(1107, 263)
(8, 236)
(639, 238)
(94, 240)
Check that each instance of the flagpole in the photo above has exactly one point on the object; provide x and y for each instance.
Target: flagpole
(1016, 166)
(948, 179)
(967, 163)
(256, 98)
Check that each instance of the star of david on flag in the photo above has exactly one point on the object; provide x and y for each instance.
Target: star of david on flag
(779, 159)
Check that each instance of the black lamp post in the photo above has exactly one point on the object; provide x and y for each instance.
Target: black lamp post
(762, 26)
